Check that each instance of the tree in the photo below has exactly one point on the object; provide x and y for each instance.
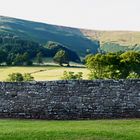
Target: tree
(26, 59)
(39, 58)
(61, 57)
(112, 68)
(114, 65)
(54, 47)
(96, 64)
(10, 59)
(22, 59)
(26, 56)
(131, 61)
(18, 60)
(72, 76)
(3, 56)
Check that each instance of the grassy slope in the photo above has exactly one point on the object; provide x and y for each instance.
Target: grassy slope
(75, 39)
(125, 38)
(42, 33)
(69, 130)
(41, 73)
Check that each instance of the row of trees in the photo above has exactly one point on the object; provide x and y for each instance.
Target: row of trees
(19, 59)
(16, 51)
(114, 65)
(61, 57)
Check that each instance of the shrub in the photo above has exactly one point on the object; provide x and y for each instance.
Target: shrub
(18, 77)
(15, 77)
(28, 77)
(72, 76)
(133, 75)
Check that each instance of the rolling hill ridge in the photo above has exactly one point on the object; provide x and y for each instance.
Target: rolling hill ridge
(42, 33)
(78, 40)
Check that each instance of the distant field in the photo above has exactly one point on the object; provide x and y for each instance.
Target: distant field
(70, 130)
(41, 73)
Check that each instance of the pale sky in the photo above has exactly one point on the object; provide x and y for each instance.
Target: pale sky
(90, 14)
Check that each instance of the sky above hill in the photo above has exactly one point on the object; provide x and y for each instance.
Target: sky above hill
(90, 14)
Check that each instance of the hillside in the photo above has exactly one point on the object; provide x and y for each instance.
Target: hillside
(115, 41)
(78, 40)
(42, 33)
(125, 38)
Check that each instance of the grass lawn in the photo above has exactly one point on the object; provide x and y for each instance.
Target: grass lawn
(41, 73)
(70, 130)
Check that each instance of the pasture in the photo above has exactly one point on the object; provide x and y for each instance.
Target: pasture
(41, 73)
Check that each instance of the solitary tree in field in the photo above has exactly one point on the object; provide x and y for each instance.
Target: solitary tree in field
(61, 57)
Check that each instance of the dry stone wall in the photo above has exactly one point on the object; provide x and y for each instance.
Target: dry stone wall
(97, 99)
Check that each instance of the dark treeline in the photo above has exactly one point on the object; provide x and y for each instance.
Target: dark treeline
(16, 51)
(114, 65)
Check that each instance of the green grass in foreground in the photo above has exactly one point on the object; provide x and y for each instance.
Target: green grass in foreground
(70, 130)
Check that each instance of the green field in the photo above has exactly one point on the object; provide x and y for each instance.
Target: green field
(41, 73)
(70, 130)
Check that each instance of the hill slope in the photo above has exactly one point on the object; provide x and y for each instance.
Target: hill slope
(42, 33)
(125, 38)
(78, 40)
